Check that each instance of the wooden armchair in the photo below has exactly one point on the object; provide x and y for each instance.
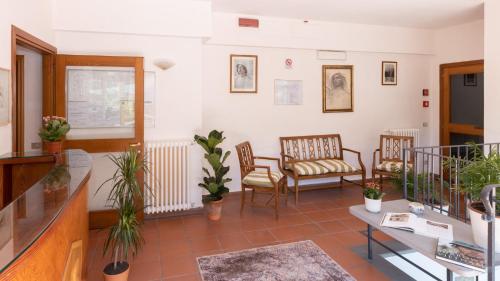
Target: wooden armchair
(390, 156)
(263, 180)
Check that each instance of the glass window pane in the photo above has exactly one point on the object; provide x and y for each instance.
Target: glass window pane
(100, 102)
(467, 102)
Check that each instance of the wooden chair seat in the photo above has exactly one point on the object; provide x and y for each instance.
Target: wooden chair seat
(261, 178)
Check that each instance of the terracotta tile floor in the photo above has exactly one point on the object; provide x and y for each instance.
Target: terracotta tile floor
(172, 244)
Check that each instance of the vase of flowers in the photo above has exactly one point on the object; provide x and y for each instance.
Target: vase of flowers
(52, 132)
(373, 197)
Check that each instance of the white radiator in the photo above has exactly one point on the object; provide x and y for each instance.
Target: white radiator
(415, 133)
(168, 177)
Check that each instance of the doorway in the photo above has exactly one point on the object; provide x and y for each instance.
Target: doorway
(461, 102)
(32, 87)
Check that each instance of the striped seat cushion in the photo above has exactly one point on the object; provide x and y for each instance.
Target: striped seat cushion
(307, 168)
(261, 178)
(337, 166)
(391, 166)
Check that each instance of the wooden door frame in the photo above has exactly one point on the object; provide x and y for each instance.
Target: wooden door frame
(48, 52)
(444, 113)
(104, 218)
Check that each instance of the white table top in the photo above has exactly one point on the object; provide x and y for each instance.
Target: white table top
(422, 244)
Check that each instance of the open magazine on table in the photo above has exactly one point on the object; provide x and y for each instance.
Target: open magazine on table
(410, 222)
(461, 253)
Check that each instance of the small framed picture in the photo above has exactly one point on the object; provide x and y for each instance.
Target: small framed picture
(243, 74)
(4, 96)
(337, 88)
(389, 73)
(470, 79)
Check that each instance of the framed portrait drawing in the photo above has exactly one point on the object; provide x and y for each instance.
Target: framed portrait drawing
(4, 96)
(389, 73)
(337, 88)
(243, 74)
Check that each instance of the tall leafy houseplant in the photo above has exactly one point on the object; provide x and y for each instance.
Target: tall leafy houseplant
(125, 236)
(479, 170)
(214, 180)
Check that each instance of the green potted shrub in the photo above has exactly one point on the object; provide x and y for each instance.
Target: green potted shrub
(124, 237)
(373, 197)
(480, 170)
(53, 130)
(214, 180)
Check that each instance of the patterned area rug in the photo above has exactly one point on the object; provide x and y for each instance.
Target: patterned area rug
(303, 261)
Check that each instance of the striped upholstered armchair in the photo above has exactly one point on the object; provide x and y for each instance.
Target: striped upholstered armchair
(390, 156)
(260, 178)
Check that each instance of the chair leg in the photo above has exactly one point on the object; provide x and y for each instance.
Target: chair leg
(296, 185)
(276, 200)
(341, 181)
(285, 186)
(253, 195)
(242, 200)
(363, 179)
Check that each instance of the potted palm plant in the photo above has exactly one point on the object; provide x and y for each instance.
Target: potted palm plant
(373, 197)
(124, 237)
(480, 170)
(53, 130)
(215, 180)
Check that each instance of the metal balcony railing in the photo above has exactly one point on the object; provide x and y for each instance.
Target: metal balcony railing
(435, 178)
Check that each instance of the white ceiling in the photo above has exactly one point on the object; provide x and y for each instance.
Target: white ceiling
(407, 13)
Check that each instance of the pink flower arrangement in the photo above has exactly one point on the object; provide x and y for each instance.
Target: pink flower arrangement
(54, 128)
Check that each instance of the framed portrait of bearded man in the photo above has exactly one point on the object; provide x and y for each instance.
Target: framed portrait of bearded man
(337, 88)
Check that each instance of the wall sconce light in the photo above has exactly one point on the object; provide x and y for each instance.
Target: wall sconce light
(164, 64)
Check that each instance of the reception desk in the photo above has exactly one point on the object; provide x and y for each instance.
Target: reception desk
(44, 228)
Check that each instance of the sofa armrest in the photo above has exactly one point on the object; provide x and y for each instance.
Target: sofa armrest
(271, 159)
(359, 157)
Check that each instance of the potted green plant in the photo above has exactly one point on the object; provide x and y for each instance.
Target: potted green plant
(480, 170)
(125, 236)
(53, 130)
(373, 197)
(423, 180)
(215, 180)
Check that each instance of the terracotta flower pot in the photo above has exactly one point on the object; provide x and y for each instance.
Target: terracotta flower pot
(120, 274)
(214, 210)
(54, 147)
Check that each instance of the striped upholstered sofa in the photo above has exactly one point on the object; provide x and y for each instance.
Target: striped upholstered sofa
(317, 156)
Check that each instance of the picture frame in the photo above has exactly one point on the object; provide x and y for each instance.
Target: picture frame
(389, 73)
(287, 92)
(243, 74)
(470, 79)
(338, 88)
(5, 93)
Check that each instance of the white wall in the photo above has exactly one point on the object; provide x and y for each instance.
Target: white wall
(492, 71)
(32, 16)
(453, 44)
(254, 117)
(153, 17)
(290, 33)
(33, 96)
(178, 89)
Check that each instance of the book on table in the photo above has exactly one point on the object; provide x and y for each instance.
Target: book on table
(410, 222)
(462, 254)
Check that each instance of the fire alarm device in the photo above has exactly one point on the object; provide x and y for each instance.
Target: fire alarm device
(425, 92)
(426, 103)
(288, 63)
